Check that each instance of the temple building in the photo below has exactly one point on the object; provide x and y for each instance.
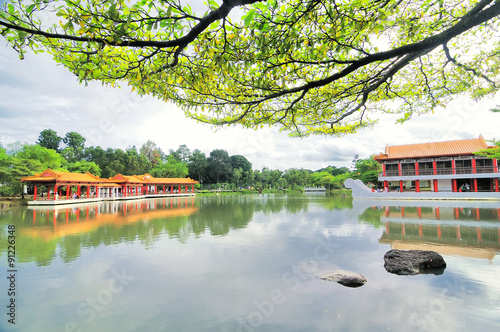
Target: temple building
(69, 188)
(449, 166)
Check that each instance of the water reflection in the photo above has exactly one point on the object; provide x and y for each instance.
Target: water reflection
(470, 229)
(214, 263)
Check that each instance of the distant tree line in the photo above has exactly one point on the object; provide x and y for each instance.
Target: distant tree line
(218, 170)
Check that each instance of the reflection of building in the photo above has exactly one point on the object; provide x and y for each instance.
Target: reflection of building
(66, 187)
(471, 232)
(439, 166)
(51, 223)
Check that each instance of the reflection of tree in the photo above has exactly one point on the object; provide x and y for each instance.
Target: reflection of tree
(40, 234)
(371, 216)
(222, 213)
(338, 201)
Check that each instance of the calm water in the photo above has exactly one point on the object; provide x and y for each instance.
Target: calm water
(249, 263)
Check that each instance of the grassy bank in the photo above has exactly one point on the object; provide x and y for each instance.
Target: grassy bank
(7, 202)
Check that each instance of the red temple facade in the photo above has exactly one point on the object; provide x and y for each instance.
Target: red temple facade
(449, 166)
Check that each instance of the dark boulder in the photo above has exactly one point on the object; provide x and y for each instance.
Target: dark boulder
(411, 262)
(345, 278)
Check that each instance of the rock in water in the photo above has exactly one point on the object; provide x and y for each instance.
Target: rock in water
(411, 262)
(346, 278)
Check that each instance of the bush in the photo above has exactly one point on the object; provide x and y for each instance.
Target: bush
(6, 191)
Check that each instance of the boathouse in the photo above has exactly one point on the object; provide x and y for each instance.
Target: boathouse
(69, 188)
(449, 166)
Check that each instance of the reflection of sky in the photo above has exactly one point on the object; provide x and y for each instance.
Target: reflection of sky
(217, 283)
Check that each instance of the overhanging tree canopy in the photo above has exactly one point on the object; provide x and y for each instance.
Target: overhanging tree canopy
(308, 66)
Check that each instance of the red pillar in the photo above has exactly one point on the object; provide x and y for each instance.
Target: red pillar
(78, 191)
(453, 167)
(416, 168)
(55, 192)
(386, 185)
(434, 167)
(475, 184)
(192, 188)
(67, 191)
(435, 185)
(34, 194)
(186, 188)
(171, 189)
(96, 191)
(454, 185)
(383, 169)
(401, 185)
(88, 192)
(473, 162)
(417, 185)
(156, 189)
(496, 185)
(399, 169)
(163, 189)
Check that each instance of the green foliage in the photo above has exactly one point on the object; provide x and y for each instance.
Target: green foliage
(238, 161)
(74, 140)
(313, 67)
(44, 157)
(219, 166)
(219, 169)
(48, 139)
(198, 165)
(152, 152)
(84, 167)
(493, 152)
(182, 153)
(173, 168)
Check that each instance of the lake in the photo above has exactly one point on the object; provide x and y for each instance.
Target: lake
(248, 263)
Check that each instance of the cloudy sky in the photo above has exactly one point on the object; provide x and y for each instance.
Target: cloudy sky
(37, 94)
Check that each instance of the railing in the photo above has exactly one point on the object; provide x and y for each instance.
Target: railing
(441, 171)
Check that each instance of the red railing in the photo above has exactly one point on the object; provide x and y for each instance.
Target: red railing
(441, 171)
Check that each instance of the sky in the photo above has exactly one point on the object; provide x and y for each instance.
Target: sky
(38, 94)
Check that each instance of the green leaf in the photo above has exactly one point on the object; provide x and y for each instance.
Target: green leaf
(30, 8)
(249, 17)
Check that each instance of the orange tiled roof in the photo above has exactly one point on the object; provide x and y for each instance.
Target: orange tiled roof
(152, 180)
(120, 178)
(434, 149)
(50, 176)
(57, 176)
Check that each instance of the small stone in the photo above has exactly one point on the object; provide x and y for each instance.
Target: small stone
(412, 262)
(345, 278)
